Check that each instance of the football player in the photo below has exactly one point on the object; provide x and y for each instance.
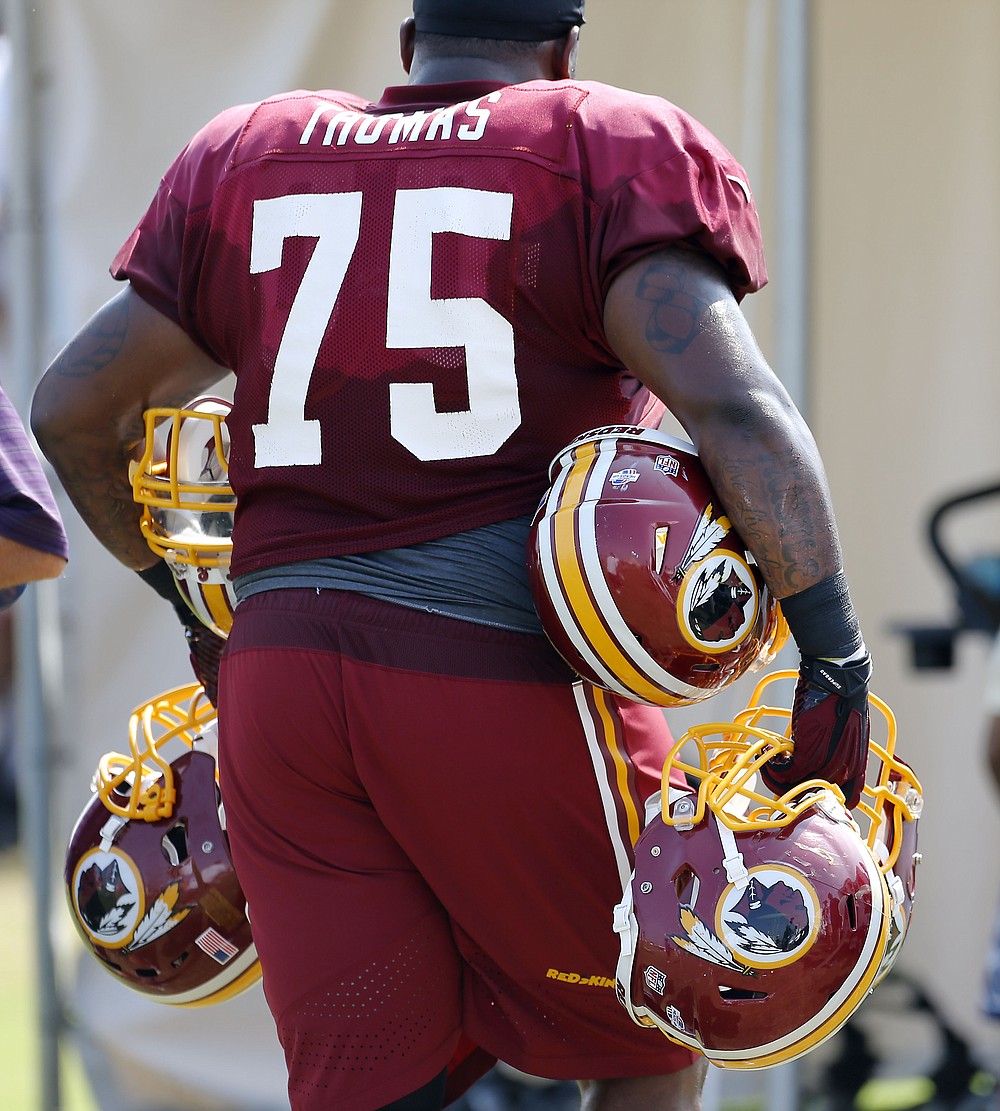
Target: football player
(423, 300)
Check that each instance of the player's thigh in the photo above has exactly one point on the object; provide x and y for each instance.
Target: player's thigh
(329, 888)
(519, 800)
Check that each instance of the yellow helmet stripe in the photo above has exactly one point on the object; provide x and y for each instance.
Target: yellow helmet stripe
(230, 991)
(572, 578)
(573, 582)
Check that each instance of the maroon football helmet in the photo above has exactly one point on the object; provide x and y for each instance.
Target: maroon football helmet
(182, 483)
(638, 576)
(150, 882)
(754, 926)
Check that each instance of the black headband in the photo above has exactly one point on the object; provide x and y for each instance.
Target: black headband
(520, 20)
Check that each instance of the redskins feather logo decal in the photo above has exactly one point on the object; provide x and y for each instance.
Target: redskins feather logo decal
(769, 920)
(700, 941)
(718, 600)
(109, 906)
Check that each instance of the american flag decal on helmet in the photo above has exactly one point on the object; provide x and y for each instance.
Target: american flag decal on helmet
(216, 946)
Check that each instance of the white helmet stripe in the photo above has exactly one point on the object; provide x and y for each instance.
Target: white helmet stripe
(597, 614)
(598, 584)
(558, 596)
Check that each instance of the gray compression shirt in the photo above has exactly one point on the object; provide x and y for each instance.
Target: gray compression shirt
(477, 576)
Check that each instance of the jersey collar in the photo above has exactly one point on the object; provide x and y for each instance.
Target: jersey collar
(435, 96)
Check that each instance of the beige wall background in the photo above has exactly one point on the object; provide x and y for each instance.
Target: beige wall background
(903, 391)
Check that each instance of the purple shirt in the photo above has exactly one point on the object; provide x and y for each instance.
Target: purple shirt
(28, 512)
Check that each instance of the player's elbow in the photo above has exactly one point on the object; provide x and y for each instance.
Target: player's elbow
(49, 417)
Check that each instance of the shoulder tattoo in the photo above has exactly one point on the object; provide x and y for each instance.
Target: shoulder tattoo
(676, 305)
(97, 344)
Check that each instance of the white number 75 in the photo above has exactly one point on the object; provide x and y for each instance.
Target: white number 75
(415, 320)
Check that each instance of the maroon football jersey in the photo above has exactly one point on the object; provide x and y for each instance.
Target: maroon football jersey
(411, 293)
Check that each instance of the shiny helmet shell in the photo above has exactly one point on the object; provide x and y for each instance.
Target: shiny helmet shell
(888, 812)
(754, 925)
(148, 876)
(182, 483)
(639, 579)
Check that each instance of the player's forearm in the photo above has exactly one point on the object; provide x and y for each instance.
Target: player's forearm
(96, 481)
(766, 469)
(87, 412)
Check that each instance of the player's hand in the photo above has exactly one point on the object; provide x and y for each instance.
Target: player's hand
(830, 728)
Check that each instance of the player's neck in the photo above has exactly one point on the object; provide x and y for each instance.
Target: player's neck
(439, 71)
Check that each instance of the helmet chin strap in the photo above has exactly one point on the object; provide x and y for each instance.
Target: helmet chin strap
(627, 929)
(732, 858)
(110, 830)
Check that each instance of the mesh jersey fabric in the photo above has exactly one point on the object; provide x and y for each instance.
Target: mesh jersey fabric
(410, 294)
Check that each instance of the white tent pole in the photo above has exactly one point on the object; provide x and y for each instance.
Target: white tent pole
(792, 286)
(792, 189)
(25, 231)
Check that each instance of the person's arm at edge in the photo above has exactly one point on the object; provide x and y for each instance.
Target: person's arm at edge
(20, 564)
(87, 411)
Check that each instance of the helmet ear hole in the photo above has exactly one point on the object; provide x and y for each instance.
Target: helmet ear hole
(685, 885)
(852, 911)
(175, 844)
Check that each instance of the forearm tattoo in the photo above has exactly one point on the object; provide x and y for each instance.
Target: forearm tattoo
(97, 344)
(676, 307)
(92, 464)
(783, 522)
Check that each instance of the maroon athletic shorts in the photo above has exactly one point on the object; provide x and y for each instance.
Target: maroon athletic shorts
(432, 823)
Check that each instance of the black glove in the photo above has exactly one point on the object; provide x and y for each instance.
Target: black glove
(830, 728)
(204, 646)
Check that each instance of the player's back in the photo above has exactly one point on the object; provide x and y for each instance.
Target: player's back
(411, 294)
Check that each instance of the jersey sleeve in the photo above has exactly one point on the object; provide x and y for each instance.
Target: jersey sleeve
(659, 179)
(162, 258)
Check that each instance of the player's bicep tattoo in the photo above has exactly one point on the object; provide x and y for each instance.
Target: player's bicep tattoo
(677, 298)
(97, 344)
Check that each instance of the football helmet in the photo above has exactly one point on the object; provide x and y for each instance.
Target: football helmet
(753, 926)
(638, 577)
(182, 482)
(148, 875)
